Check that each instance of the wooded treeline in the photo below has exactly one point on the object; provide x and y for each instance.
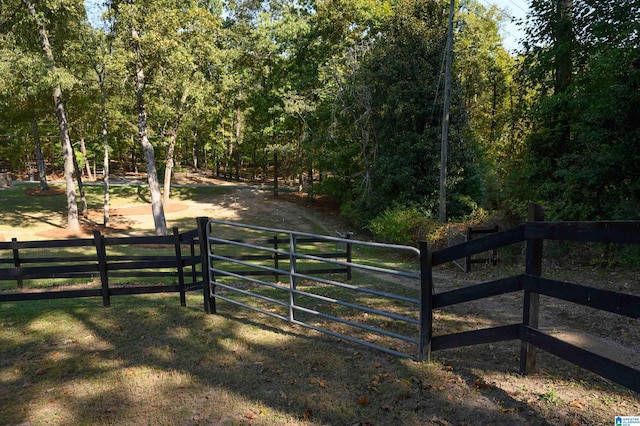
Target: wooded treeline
(343, 97)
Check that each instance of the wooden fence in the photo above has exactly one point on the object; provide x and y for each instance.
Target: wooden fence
(15, 266)
(534, 232)
(177, 257)
(174, 256)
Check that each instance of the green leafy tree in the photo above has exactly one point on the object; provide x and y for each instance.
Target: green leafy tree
(580, 160)
(37, 24)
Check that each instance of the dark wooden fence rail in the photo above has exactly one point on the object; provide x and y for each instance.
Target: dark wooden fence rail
(110, 258)
(534, 232)
(24, 265)
(492, 258)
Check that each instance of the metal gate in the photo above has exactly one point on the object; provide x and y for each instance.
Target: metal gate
(333, 285)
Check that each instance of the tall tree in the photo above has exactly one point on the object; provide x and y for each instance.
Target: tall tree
(581, 57)
(73, 223)
(132, 22)
(143, 137)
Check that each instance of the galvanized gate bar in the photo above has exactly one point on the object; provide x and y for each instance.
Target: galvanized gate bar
(360, 308)
(323, 237)
(356, 340)
(360, 289)
(359, 266)
(294, 254)
(362, 326)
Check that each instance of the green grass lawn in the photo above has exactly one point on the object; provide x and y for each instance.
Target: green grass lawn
(145, 358)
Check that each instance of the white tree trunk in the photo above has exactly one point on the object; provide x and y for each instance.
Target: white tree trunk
(105, 144)
(147, 149)
(172, 145)
(87, 166)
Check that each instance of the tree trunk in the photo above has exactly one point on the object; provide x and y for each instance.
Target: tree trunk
(275, 173)
(83, 198)
(42, 172)
(564, 69)
(87, 166)
(172, 145)
(238, 132)
(147, 149)
(105, 144)
(73, 223)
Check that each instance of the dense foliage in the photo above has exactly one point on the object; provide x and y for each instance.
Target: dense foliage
(581, 158)
(342, 97)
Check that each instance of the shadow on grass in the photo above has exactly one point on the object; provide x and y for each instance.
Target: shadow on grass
(146, 358)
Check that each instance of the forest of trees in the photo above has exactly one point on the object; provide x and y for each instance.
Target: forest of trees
(342, 97)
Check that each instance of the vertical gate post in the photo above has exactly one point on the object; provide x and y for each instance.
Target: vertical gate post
(209, 302)
(275, 256)
(531, 306)
(292, 278)
(180, 266)
(426, 302)
(101, 252)
(349, 254)
(16, 260)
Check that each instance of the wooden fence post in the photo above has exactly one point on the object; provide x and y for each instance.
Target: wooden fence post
(16, 260)
(426, 302)
(531, 306)
(192, 248)
(209, 302)
(101, 252)
(178, 250)
(467, 264)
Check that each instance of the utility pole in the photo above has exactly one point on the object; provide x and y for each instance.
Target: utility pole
(442, 211)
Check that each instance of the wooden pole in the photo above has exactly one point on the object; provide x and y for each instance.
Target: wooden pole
(180, 266)
(209, 302)
(16, 261)
(442, 211)
(101, 252)
(426, 302)
(531, 306)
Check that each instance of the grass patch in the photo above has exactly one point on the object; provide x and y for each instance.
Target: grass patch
(74, 362)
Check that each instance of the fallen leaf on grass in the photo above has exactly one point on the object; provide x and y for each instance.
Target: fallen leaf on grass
(250, 416)
(319, 382)
(405, 383)
(576, 404)
(307, 414)
(480, 383)
(363, 401)
(437, 420)
(379, 378)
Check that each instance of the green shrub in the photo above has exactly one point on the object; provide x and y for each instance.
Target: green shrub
(401, 225)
